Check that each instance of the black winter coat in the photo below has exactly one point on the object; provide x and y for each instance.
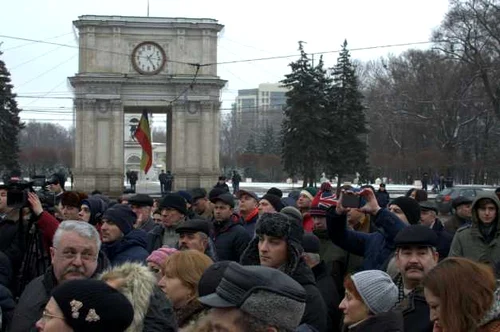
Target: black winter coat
(444, 239)
(383, 198)
(160, 315)
(328, 289)
(11, 244)
(223, 186)
(315, 314)
(130, 248)
(391, 321)
(416, 312)
(7, 305)
(230, 239)
(36, 295)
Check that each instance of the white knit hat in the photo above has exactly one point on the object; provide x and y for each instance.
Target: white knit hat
(377, 290)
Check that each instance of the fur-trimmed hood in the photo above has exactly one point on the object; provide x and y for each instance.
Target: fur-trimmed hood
(137, 283)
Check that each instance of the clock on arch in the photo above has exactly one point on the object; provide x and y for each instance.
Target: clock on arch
(148, 58)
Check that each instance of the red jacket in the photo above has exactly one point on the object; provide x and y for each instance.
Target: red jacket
(48, 225)
(308, 223)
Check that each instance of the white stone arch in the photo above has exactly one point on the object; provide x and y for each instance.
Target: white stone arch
(110, 91)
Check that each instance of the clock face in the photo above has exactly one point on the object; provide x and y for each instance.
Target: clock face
(148, 58)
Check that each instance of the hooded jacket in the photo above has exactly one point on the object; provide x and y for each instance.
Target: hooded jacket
(97, 207)
(315, 313)
(470, 243)
(130, 248)
(139, 286)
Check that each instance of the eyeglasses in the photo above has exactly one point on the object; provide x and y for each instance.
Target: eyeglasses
(46, 316)
(85, 256)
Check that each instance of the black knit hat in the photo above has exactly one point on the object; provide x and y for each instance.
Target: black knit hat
(274, 200)
(310, 243)
(122, 216)
(93, 305)
(275, 191)
(410, 208)
(174, 201)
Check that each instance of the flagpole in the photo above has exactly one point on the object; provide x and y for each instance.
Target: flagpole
(148, 8)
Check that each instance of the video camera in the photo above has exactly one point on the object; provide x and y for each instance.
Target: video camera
(47, 198)
(17, 193)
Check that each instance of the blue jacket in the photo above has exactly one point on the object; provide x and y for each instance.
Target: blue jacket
(130, 248)
(375, 247)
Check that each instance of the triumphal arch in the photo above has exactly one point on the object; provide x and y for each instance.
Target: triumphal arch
(163, 65)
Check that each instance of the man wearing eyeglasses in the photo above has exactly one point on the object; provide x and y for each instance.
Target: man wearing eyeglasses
(75, 255)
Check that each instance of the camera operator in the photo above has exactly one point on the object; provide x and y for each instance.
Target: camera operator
(56, 185)
(47, 223)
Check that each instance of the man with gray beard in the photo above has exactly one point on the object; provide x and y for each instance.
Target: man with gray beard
(75, 255)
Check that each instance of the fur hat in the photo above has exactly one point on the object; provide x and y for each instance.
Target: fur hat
(73, 198)
(93, 305)
(278, 225)
(263, 293)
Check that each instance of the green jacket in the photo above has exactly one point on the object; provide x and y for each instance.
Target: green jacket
(470, 243)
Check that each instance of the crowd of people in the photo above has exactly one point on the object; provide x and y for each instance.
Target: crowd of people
(198, 260)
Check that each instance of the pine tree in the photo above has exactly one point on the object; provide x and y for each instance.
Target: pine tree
(268, 142)
(10, 123)
(347, 122)
(303, 128)
(251, 146)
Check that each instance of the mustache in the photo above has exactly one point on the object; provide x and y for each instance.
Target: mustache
(414, 267)
(183, 246)
(73, 269)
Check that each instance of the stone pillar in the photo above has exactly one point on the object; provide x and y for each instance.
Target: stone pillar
(194, 155)
(99, 146)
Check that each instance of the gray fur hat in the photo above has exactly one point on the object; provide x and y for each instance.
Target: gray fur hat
(262, 292)
(278, 225)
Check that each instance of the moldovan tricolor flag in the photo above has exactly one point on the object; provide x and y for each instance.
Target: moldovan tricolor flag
(143, 135)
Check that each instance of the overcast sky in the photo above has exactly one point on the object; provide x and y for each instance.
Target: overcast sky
(253, 29)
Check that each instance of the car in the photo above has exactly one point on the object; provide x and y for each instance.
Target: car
(446, 196)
